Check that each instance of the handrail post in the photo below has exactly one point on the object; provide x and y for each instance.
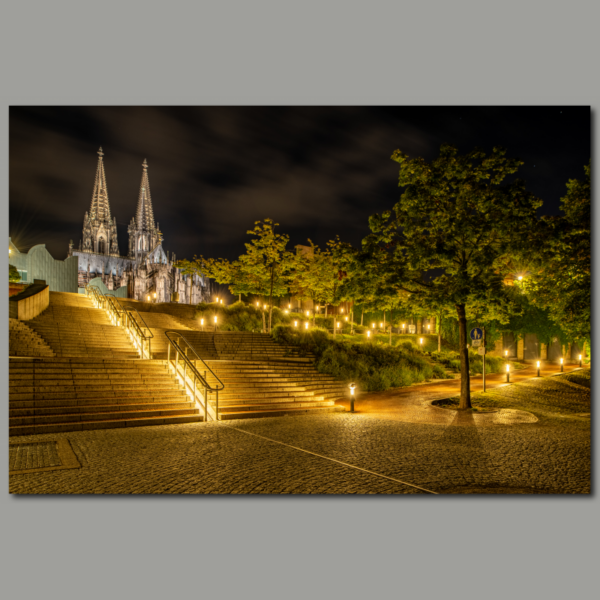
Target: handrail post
(184, 366)
(169, 353)
(205, 398)
(217, 405)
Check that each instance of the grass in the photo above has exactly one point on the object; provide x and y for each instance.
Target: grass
(373, 366)
(551, 399)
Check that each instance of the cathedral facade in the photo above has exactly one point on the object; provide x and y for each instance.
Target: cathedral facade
(147, 272)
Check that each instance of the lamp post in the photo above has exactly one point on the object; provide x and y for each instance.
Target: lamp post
(368, 334)
(202, 324)
(215, 322)
(295, 323)
(561, 365)
(421, 342)
(580, 360)
(507, 373)
(352, 387)
(306, 325)
(538, 368)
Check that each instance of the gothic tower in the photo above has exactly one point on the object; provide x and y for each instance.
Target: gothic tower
(99, 230)
(143, 233)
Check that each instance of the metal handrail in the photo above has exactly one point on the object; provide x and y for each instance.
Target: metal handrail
(195, 374)
(138, 329)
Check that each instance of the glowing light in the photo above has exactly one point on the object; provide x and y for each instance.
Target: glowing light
(215, 319)
(507, 368)
(341, 310)
(580, 357)
(506, 353)
(421, 341)
(339, 324)
(289, 305)
(217, 298)
(265, 307)
(428, 326)
(257, 304)
(373, 325)
(148, 298)
(295, 323)
(307, 313)
(306, 325)
(368, 334)
(202, 322)
(520, 277)
(380, 325)
(285, 311)
(155, 294)
(346, 318)
(538, 364)
(561, 361)
(9, 251)
(352, 387)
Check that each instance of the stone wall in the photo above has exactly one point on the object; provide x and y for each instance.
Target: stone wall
(30, 302)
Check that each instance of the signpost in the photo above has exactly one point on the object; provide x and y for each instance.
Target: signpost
(478, 338)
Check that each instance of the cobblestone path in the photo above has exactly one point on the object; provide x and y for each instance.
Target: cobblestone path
(452, 455)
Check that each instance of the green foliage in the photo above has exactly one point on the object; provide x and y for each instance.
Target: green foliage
(451, 360)
(373, 367)
(561, 281)
(13, 274)
(237, 317)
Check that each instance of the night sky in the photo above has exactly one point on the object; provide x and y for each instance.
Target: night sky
(318, 171)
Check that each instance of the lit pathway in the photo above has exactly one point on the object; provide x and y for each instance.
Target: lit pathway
(412, 404)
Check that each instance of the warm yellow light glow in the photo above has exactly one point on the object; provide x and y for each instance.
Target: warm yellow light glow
(373, 325)
(421, 341)
(341, 310)
(338, 324)
(307, 313)
(215, 319)
(265, 307)
(580, 357)
(148, 298)
(538, 364)
(217, 298)
(285, 311)
(155, 294)
(506, 353)
(561, 361)
(346, 318)
(520, 278)
(306, 325)
(295, 323)
(289, 306)
(368, 334)
(428, 326)
(202, 322)
(352, 391)
(10, 251)
(257, 304)
(380, 325)
(507, 368)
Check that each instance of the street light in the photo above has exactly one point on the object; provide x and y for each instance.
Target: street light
(561, 365)
(202, 324)
(580, 360)
(352, 387)
(507, 373)
(538, 368)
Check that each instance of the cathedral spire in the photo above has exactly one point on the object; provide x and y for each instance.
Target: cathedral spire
(145, 214)
(100, 208)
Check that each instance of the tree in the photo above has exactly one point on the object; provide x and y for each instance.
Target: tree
(452, 233)
(13, 274)
(263, 270)
(561, 279)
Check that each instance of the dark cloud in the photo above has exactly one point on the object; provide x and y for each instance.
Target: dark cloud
(214, 171)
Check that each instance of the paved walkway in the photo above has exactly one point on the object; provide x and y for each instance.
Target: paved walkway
(369, 452)
(413, 404)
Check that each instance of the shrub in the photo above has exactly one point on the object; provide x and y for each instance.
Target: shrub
(239, 316)
(375, 367)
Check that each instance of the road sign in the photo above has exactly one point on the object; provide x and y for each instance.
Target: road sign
(476, 333)
(481, 351)
(476, 343)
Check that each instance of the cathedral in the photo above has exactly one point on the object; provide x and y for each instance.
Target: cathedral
(147, 272)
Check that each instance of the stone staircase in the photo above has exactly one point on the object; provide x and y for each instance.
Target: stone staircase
(273, 389)
(23, 341)
(72, 327)
(51, 395)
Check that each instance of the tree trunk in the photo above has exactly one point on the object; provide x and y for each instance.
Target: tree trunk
(465, 387)
(271, 297)
(240, 297)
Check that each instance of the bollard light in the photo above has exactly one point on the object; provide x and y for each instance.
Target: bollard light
(506, 354)
(289, 306)
(338, 324)
(380, 325)
(346, 318)
(580, 361)
(215, 319)
(352, 387)
(341, 310)
(307, 313)
(507, 373)
(295, 323)
(306, 325)
(286, 311)
(538, 368)
(265, 307)
(373, 325)
(429, 327)
(368, 334)
(421, 342)
(202, 322)
(561, 365)
(257, 305)
(155, 294)
(148, 298)
(217, 298)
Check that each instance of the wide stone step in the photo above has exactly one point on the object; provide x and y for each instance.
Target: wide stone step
(107, 424)
(232, 408)
(98, 408)
(226, 416)
(74, 400)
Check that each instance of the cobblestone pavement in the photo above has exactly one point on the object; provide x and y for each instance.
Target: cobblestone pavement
(454, 454)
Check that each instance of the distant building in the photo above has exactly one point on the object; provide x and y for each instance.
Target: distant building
(38, 263)
(147, 269)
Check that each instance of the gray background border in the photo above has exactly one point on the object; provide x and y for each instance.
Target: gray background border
(268, 52)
